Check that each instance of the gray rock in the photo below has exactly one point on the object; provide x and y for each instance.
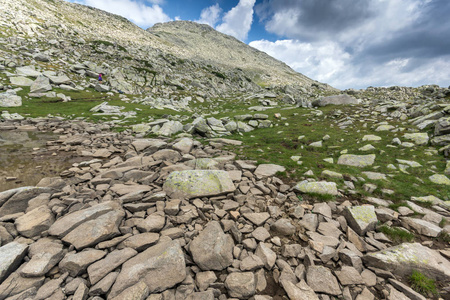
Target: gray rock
(44, 256)
(343, 99)
(11, 256)
(404, 258)
(349, 275)
(139, 291)
(40, 85)
(283, 227)
(257, 219)
(21, 81)
(265, 170)
(77, 263)
(299, 291)
(16, 200)
(160, 267)
(35, 221)
(309, 222)
(69, 222)
(267, 255)
(321, 280)
(319, 187)
(361, 218)
(170, 128)
(28, 71)
(101, 268)
(423, 227)
(409, 292)
(94, 231)
(198, 183)
(212, 249)
(15, 284)
(241, 285)
(356, 160)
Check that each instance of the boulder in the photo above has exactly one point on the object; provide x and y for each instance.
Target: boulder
(45, 255)
(160, 267)
(321, 280)
(265, 170)
(76, 263)
(401, 260)
(16, 200)
(361, 218)
(317, 187)
(356, 160)
(11, 256)
(198, 183)
(94, 231)
(335, 100)
(41, 85)
(212, 249)
(34, 222)
(241, 285)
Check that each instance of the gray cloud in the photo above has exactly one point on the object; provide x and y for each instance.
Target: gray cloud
(368, 41)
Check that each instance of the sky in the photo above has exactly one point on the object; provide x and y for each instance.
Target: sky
(345, 43)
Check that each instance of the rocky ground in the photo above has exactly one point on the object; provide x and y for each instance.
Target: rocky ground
(179, 219)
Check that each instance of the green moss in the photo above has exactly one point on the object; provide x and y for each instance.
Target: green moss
(397, 234)
(422, 284)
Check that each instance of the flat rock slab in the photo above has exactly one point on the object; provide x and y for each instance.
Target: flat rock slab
(320, 187)
(356, 160)
(70, 221)
(265, 170)
(439, 179)
(11, 256)
(402, 259)
(257, 218)
(198, 183)
(422, 226)
(101, 268)
(299, 291)
(361, 218)
(343, 99)
(16, 200)
(35, 221)
(212, 249)
(418, 138)
(160, 267)
(321, 280)
(76, 263)
(95, 231)
(44, 256)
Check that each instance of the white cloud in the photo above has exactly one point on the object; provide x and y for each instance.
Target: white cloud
(238, 21)
(135, 11)
(328, 62)
(210, 15)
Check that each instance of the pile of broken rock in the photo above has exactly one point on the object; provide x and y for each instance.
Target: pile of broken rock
(159, 219)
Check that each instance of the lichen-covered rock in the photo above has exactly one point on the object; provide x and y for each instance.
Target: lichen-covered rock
(418, 138)
(439, 179)
(361, 218)
(356, 160)
(265, 170)
(319, 187)
(404, 258)
(198, 183)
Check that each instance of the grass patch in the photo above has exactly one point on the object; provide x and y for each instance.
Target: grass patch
(396, 234)
(422, 284)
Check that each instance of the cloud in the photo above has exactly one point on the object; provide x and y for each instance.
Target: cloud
(135, 11)
(238, 21)
(328, 62)
(370, 42)
(210, 15)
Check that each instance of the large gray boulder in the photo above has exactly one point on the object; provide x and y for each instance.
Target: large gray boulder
(160, 267)
(212, 249)
(335, 100)
(95, 231)
(69, 222)
(41, 85)
(10, 100)
(361, 218)
(34, 222)
(11, 256)
(356, 160)
(401, 260)
(198, 183)
(16, 200)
